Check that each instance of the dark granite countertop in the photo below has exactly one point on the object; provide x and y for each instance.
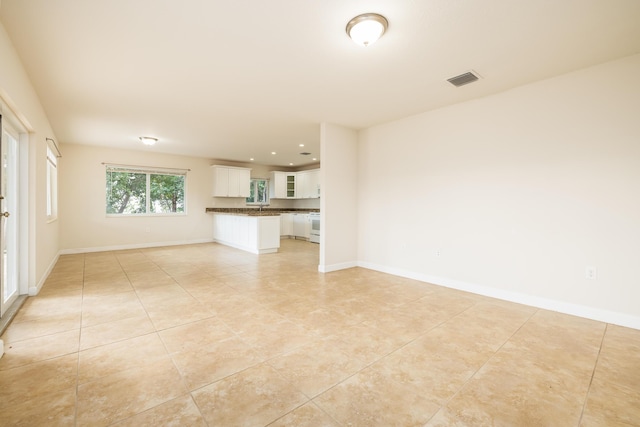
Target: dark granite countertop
(257, 212)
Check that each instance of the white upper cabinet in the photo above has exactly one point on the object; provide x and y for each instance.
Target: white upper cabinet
(295, 185)
(308, 184)
(229, 181)
(282, 185)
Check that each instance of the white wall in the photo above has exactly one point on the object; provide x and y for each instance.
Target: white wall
(338, 198)
(84, 224)
(18, 93)
(518, 193)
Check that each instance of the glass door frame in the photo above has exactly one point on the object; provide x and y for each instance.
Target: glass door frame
(9, 216)
(25, 199)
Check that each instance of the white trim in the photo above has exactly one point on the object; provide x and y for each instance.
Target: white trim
(598, 314)
(133, 246)
(336, 267)
(249, 249)
(1, 349)
(146, 169)
(34, 290)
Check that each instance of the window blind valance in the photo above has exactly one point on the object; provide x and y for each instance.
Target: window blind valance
(113, 167)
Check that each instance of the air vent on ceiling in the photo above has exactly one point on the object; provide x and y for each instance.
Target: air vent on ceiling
(463, 79)
(304, 153)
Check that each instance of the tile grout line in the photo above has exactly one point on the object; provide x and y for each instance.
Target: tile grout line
(593, 373)
(484, 364)
(75, 414)
(164, 344)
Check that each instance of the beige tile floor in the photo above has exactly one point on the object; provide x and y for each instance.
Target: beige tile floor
(207, 335)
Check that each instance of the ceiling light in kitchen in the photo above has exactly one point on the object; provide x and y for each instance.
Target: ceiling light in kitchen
(365, 29)
(273, 152)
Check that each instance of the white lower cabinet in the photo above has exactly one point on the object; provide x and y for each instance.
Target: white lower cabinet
(301, 225)
(255, 234)
(286, 224)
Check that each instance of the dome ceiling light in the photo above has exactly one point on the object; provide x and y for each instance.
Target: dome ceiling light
(148, 140)
(365, 29)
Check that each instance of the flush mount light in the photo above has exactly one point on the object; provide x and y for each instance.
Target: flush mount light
(300, 145)
(273, 152)
(148, 140)
(365, 29)
(251, 159)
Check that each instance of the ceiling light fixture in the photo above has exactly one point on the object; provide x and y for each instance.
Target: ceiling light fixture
(148, 140)
(365, 29)
(273, 152)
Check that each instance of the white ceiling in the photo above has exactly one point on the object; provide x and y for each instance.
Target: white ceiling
(237, 79)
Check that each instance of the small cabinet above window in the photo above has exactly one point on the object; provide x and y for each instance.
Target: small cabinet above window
(229, 181)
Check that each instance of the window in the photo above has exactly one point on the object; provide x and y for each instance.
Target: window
(145, 191)
(259, 192)
(52, 185)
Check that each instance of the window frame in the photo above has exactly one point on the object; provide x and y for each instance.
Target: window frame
(148, 172)
(254, 189)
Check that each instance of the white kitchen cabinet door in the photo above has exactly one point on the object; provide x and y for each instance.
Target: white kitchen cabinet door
(220, 182)
(308, 184)
(302, 185)
(231, 181)
(313, 183)
(278, 185)
(286, 224)
(301, 225)
(239, 182)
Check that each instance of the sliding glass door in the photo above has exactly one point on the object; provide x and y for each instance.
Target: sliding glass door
(9, 265)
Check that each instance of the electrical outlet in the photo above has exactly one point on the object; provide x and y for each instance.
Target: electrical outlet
(438, 252)
(591, 273)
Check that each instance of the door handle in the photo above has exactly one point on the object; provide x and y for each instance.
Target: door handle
(5, 214)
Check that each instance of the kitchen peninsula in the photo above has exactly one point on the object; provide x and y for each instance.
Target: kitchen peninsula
(249, 229)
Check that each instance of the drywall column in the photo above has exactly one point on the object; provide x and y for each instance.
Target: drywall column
(338, 198)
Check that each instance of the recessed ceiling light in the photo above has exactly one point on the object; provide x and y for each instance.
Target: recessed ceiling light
(273, 152)
(251, 159)
(148, 140)
(314, 159)
(290, 164)
(301, 145)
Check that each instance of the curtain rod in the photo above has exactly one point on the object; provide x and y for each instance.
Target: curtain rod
(119, 165)
(55, 145)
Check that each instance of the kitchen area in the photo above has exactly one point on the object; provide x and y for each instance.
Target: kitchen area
(254, 207)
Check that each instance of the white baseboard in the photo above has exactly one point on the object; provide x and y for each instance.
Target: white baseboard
(593, 313)
(133, 246)
(33, 290)
(336, 267)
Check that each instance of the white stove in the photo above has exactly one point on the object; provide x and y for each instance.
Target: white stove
(314, 217)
